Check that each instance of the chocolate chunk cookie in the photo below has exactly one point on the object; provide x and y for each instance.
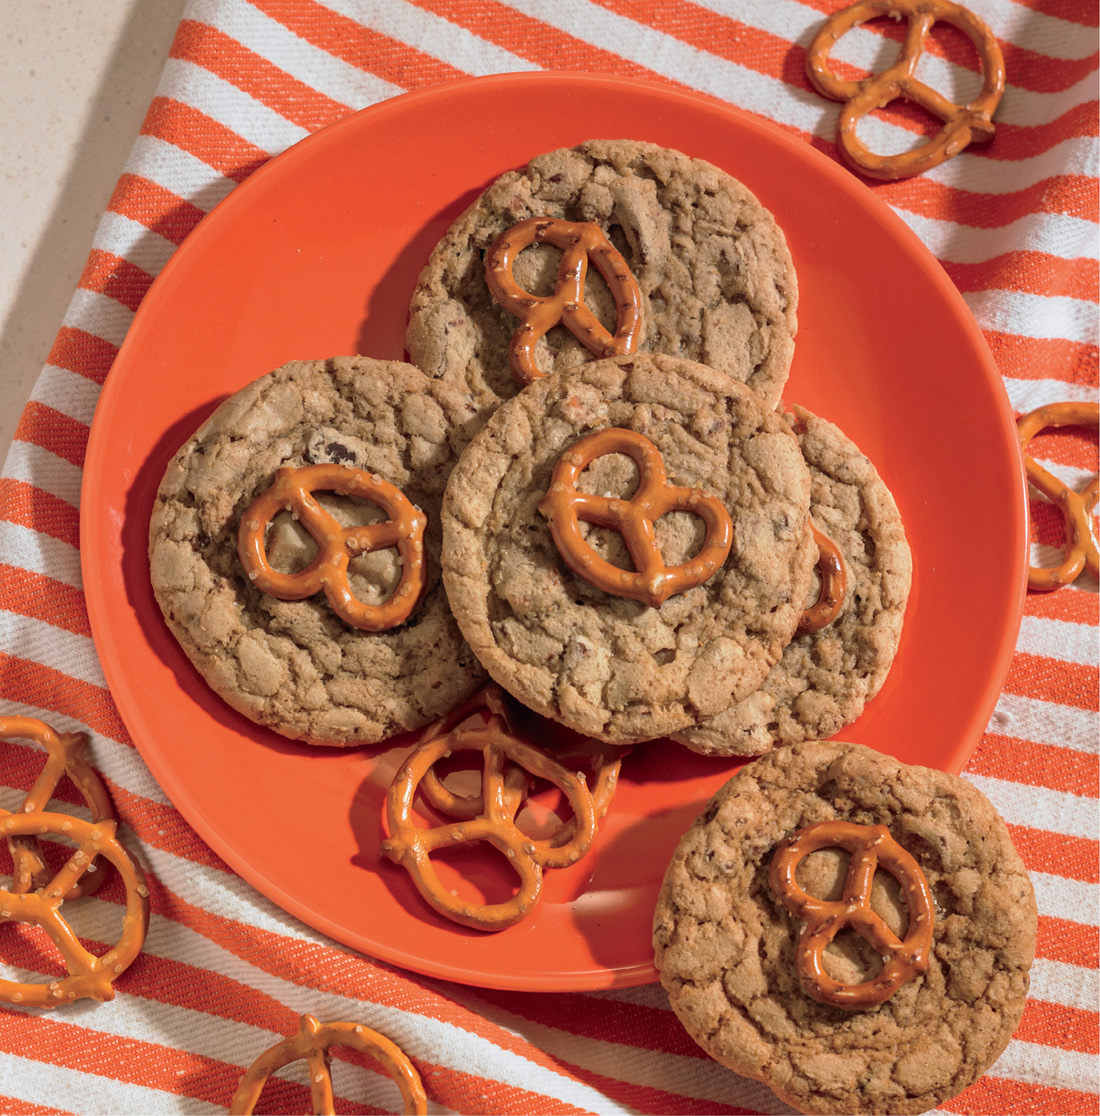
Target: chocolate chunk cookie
(716, 278)
(827, 676)
(295, 666)
(607, 665)
(742, 898)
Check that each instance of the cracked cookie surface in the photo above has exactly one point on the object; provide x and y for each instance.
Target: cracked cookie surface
(717, 281)
(608, 666)
(294, 666)
(825, 678)
(725, 945)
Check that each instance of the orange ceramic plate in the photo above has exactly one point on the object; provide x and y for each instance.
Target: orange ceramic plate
(316, 254)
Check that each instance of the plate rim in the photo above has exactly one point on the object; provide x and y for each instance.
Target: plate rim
(90, 556)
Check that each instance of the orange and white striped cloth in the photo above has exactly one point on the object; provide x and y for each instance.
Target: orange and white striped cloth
(224, 973)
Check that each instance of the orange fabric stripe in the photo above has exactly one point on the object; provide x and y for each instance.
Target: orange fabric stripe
(115, 277)
(1036, 765)
(1030, 358)
(1057, 1025)
(1073, 858)
(53, 431)
(1072, 943)
(83, 353)
(163, 827)
(204, 137)
(536, 41)
(1017, 1098)
(39, 510)
(643, 1098)
(1034, 272)
(230, 60)
(649, 1028)
(151, 1065)
(1066, 683)
(43, 598)
(1077, 607)
(153, 206)
(1073, 11)
(34, 684)
(359, 46)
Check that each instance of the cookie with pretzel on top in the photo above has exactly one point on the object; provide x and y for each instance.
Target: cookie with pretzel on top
(294, 550)
(853, 931)
(675, 256)
(626, 544)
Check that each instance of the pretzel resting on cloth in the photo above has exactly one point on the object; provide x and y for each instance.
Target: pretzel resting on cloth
(1076, 508)
(89, 976)
(64, 757)
(962, 124)
(312, 1044)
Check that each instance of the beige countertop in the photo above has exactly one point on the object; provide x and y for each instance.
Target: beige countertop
(76, 78)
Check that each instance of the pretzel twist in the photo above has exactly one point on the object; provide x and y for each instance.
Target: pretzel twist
(312, 1044)
(89, 976)
(293, 490)
(64, 756)
(962, 124)
(833, 587)
(1076, 508)
(498, 804)
(580, 242)
(871, 847)
(651, 581)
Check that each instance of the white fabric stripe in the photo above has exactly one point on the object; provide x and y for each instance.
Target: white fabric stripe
(1058, 897)
(1044, 722)
(1073, 986)
(131, 240)
(1047, 1065)
(68, 392)
(1021, 804)
(55, 648)
(179, 172)
(58, 1088)
(1026, 395)
(431, 34)
(36, 466)
(309, 64)
(42, 554)
(99, 315)
(1044, 317)
(1059, 639)
(1056, 234)
(241, 113)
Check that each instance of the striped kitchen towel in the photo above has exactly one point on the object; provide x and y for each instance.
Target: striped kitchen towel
(225, 972)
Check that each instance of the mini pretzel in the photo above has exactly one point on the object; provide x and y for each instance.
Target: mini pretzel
(90, 977)
(871, 847)
(963, 124)
(1076, 508)
(834, 584)
(293, 490)
(579, 243)
(64, 757)
(651, 582)
(411, 845)
(312, 1044)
